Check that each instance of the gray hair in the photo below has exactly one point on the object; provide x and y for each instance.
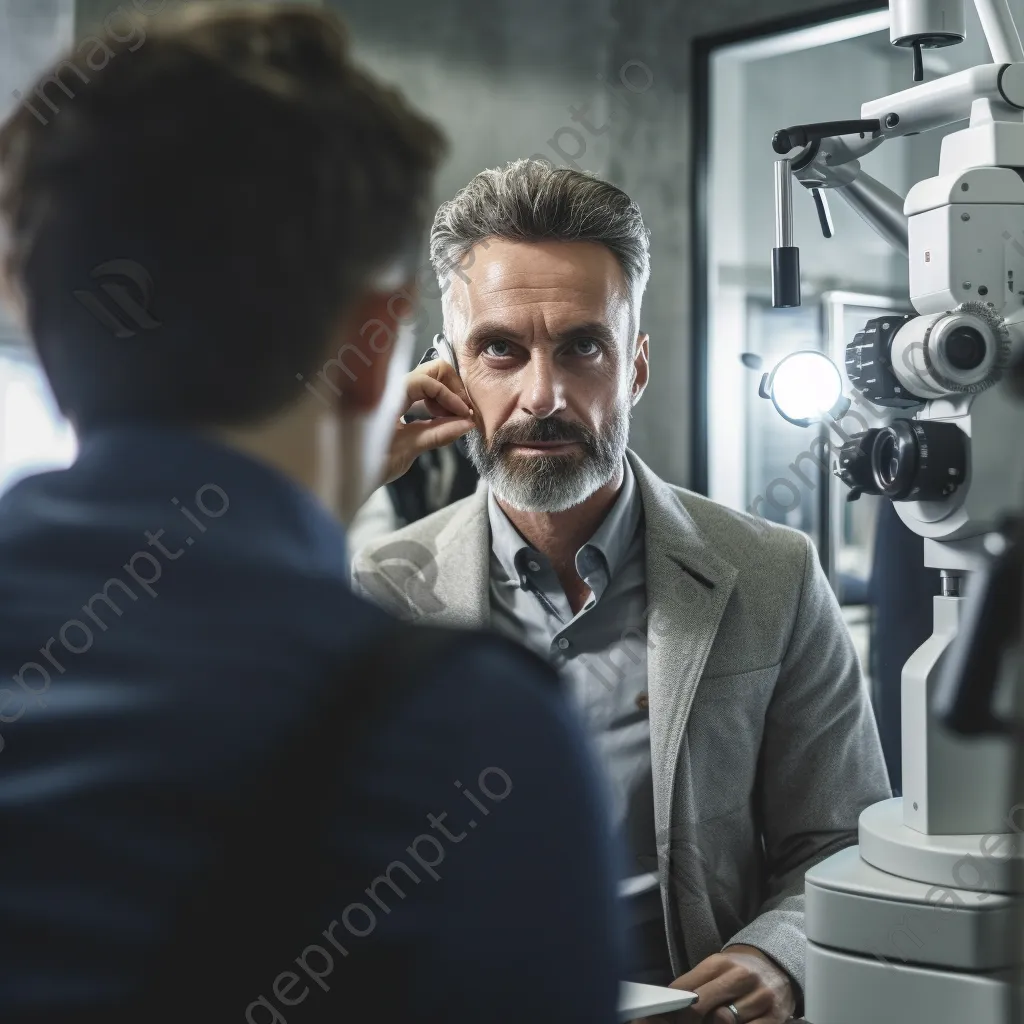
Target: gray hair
(532, 201)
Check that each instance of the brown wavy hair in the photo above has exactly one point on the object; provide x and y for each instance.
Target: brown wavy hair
(250, 177)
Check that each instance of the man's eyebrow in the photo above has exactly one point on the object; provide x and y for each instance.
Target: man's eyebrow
(487, 329)
(592, 329)
(495, 329)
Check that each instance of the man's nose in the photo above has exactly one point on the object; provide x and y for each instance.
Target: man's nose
(543, 392)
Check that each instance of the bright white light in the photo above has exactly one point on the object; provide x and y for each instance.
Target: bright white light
(806, 385)
(33, 437)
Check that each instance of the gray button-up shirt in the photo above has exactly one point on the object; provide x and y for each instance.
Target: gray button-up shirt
(601, 652)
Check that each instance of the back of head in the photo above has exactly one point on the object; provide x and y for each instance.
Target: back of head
(238, 167)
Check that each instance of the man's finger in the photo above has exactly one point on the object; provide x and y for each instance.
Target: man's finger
(449, 376)
(422, 387)
(750, 1007)
(723, 1015)
(701, 974)
(729, 987)
(445, 373)
(435, 410)
(425, 435)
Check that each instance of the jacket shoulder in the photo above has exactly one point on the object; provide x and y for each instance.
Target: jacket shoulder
(777, 574)
(747, 541)
(427, 533)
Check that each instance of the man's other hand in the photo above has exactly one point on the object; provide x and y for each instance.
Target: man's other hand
(742, 975)
(432, 389)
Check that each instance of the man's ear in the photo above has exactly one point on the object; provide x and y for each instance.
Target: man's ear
(641, 366)
(356, 364)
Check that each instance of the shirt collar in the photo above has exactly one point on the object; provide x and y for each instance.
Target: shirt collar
(611, 539)
(506, 541)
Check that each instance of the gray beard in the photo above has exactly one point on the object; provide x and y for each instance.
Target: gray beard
(551, 483)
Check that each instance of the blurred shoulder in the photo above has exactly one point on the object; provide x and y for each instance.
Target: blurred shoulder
(489, 673)
(482, 697)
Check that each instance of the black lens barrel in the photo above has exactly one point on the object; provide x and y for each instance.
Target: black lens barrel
(966, 348)
(853, 464)
(915, 460)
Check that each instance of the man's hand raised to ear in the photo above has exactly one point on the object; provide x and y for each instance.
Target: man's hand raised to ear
(432, 390)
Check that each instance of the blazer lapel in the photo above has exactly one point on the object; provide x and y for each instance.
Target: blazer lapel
(688, 588)
(461, 574)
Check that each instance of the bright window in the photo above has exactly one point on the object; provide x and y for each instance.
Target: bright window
(33, 434)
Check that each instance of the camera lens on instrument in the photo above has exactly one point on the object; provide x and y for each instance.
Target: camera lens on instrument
(914, 460)
(894, 459)
(965, 348)
(888, 460)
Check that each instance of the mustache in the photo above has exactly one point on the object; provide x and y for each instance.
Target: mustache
(547, 431)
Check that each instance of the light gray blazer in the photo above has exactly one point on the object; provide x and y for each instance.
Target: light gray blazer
(763, 743)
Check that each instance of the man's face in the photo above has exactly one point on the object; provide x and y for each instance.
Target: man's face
(543, 334)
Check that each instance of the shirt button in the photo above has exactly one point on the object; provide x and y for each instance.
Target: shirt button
(533, 566)
(563, 643)
(641, 702)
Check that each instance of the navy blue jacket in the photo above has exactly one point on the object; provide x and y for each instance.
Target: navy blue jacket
(170, 610)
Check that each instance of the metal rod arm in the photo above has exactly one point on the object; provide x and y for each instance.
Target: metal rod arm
(880, 208)
(783, 204)
(944, 100)
(1000, 31)
(785, 255)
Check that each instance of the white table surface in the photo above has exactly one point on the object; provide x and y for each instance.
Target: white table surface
(637, 1000)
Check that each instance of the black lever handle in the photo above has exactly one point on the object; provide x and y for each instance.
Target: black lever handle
(824, 213)
(786, 139)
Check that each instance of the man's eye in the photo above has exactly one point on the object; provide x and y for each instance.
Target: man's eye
(586, 346)
(497, 348)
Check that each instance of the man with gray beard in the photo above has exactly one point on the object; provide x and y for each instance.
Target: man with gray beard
(703, 647)
(555, 482)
